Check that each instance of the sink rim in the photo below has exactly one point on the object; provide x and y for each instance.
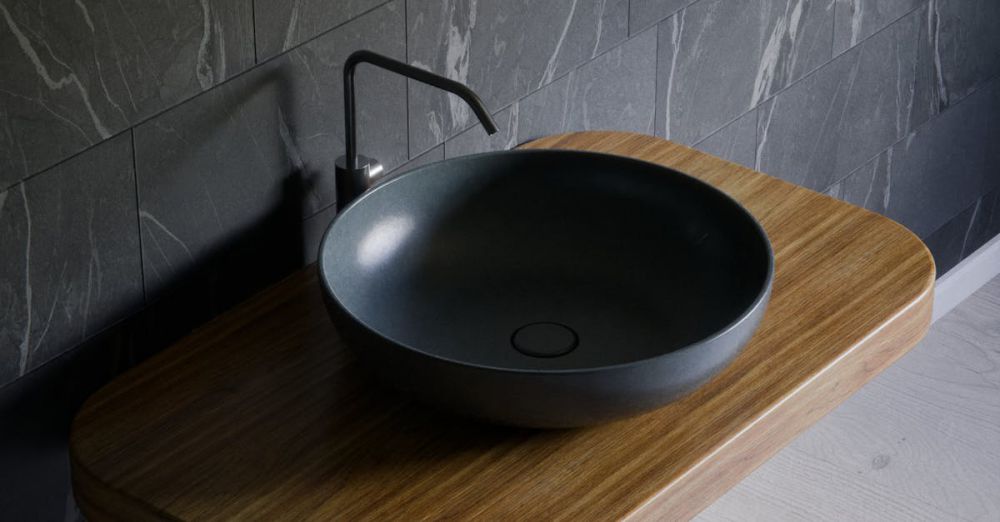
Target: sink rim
(760, 300)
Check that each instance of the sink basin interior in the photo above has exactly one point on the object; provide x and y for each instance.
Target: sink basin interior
(632, 259)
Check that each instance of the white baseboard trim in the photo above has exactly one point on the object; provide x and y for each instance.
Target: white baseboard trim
(968, 276)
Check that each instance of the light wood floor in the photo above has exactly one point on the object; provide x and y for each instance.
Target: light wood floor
(920, 442)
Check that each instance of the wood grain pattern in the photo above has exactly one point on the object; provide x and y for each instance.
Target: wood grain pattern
(919, 442)
(263, 414)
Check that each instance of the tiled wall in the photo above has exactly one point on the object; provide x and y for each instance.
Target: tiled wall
(160, 161)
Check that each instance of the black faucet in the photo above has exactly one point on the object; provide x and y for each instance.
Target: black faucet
(356, 173)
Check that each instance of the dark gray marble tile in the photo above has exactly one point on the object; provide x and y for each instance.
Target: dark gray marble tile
(315, 226)
(868, 186)
(960, 50)
(645, 13)
(431, 156)
(569, 103)
(282, 24)
(75, 73)
(475, 140)
(985, 222)
(242, 164)
(71, 256)
(210, 169)
(946, 242)
(859, 19)
(718, 59)
(615, 91)
(502, 49)
(937, 171)
(833, 121)
(736, 142)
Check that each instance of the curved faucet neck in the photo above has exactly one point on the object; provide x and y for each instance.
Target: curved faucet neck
(355, 171)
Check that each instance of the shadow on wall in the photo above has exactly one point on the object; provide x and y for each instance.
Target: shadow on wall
(36, 411)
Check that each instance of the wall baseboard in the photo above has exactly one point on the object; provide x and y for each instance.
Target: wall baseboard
(966, 277)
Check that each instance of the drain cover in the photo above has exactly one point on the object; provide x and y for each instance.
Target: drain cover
(544, 339)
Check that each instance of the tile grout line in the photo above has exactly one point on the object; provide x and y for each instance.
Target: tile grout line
(130, 316)
(628, 19)
(70, 351)
(800, 79)
(253, 28)
(187, 99)
(843, 53)
(388, 174)
(833, 31)
(506, 106)
(656, 75)
(931, 118)
(922, 127)
(686, 4)
(554, 80)
(138, 220)
(406, 56)
(756, 138)
(360, 15)
(722, 127)
(67, 159)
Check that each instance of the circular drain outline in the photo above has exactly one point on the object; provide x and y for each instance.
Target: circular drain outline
(531, 347)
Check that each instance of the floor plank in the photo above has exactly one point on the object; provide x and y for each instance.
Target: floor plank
(920, 442)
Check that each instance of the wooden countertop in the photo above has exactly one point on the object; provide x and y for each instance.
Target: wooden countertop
(263, 414)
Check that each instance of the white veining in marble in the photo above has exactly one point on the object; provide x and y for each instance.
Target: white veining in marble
(86, 14)
(50, 82)
(220, 42)
(968, 231)
(616, 91)
(293, 23)
(504, 50)
(26, 339)
(676, 27)
(118, 64)
(762, 128)
(515, 114)
(94, 271)
(871, 186)
(456, 58)
(152, 219)
(719, 59)
(550, 67)
(934, 33)
(844, 102)
(887, 192)
(104, 84)
(56, 295)
(857, 15)
(600, 27)
(785, 28)
(203, 69)
(137, 33)
(291, 149)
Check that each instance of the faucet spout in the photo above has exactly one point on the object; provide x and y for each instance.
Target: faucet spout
(357, 177)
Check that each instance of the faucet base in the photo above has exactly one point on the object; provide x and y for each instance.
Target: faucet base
(351, 183)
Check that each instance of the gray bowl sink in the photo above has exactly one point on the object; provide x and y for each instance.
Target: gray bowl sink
(545, 288)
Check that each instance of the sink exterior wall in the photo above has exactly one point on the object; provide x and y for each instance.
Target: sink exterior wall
(161, 162)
